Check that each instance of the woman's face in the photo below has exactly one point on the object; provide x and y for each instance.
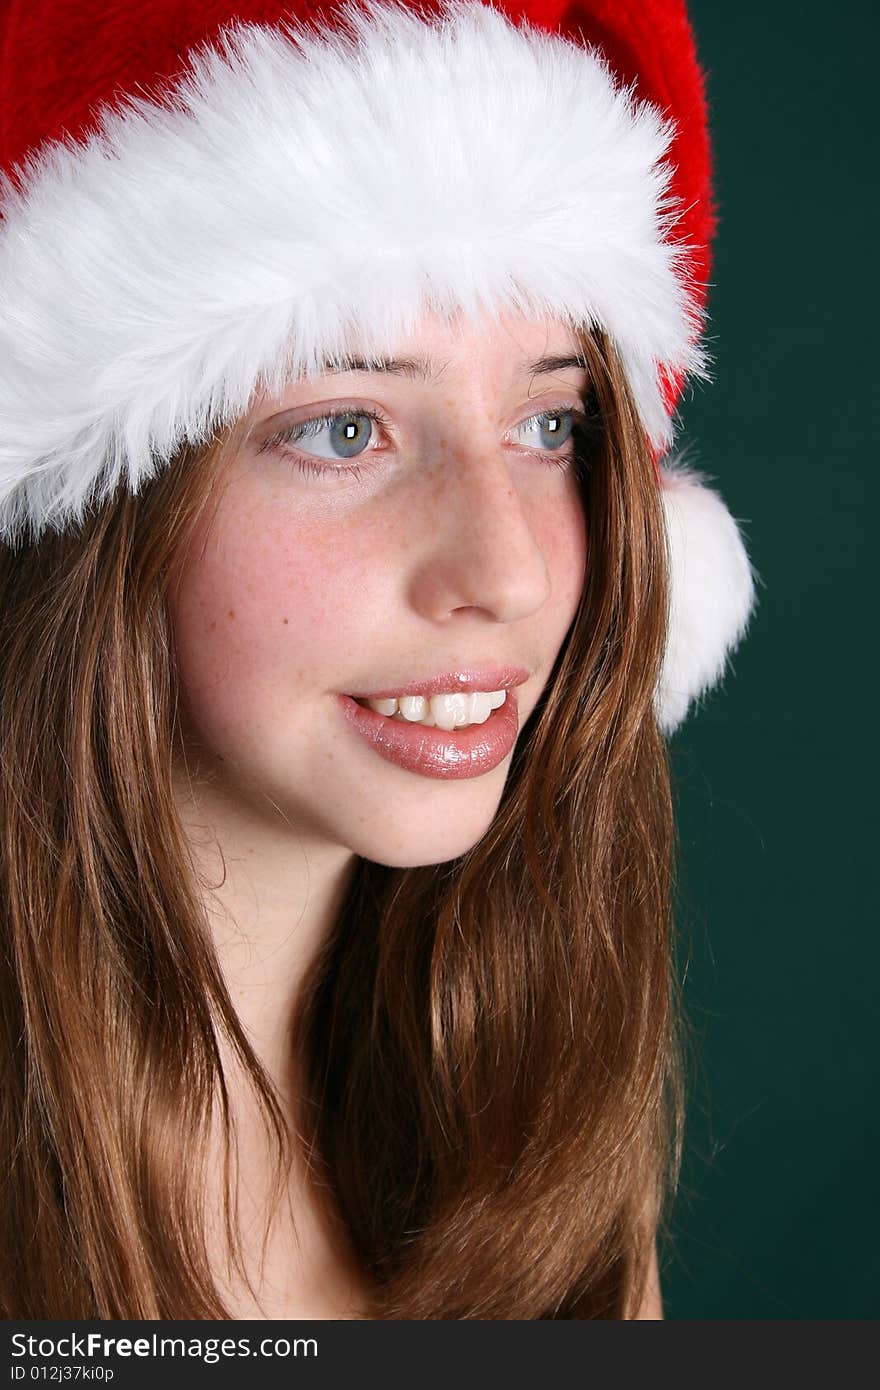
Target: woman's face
(367, 556)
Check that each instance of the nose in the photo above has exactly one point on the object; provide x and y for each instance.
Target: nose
(483, 546)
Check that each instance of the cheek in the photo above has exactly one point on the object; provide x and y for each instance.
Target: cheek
(565, 545)
(263, 613)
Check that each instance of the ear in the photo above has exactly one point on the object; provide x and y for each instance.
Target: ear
(712, 594)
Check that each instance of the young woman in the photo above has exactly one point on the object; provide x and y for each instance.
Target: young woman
(349, 592)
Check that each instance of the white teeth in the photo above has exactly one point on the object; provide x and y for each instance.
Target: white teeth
(413, 707)
(451, 711)
(455, 710)
(383, 706)
(481, 707)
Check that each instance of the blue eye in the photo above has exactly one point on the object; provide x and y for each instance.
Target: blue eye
(550, 430)
(342, 436)
(348, 433)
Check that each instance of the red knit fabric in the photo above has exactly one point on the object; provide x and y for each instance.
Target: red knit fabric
(59, 62)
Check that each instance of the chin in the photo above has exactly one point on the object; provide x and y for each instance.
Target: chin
(417, 850)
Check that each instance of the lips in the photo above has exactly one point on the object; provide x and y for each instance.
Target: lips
(485, 678)
(440, 753)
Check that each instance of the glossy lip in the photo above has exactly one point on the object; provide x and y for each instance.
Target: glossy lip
(485, 678)
(441, 753)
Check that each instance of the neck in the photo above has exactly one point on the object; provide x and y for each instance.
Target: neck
(272, 896)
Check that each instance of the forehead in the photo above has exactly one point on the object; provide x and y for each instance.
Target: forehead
(509, 344)
(500, 352)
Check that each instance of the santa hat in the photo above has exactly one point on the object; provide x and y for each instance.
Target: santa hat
(197, 197)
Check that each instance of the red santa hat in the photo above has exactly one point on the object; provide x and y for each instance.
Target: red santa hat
(199, 197)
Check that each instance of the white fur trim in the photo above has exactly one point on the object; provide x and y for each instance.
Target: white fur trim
(712, 591)
(301, 194)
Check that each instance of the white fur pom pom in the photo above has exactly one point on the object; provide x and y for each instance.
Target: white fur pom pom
(712, 591)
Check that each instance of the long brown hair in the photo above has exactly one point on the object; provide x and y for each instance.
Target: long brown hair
(492, 1073)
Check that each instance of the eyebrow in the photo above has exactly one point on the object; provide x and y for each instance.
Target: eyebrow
(425, 369)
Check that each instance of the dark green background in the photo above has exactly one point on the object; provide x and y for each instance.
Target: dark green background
(776, 779)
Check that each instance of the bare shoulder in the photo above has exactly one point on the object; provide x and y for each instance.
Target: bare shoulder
(651, 1307)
